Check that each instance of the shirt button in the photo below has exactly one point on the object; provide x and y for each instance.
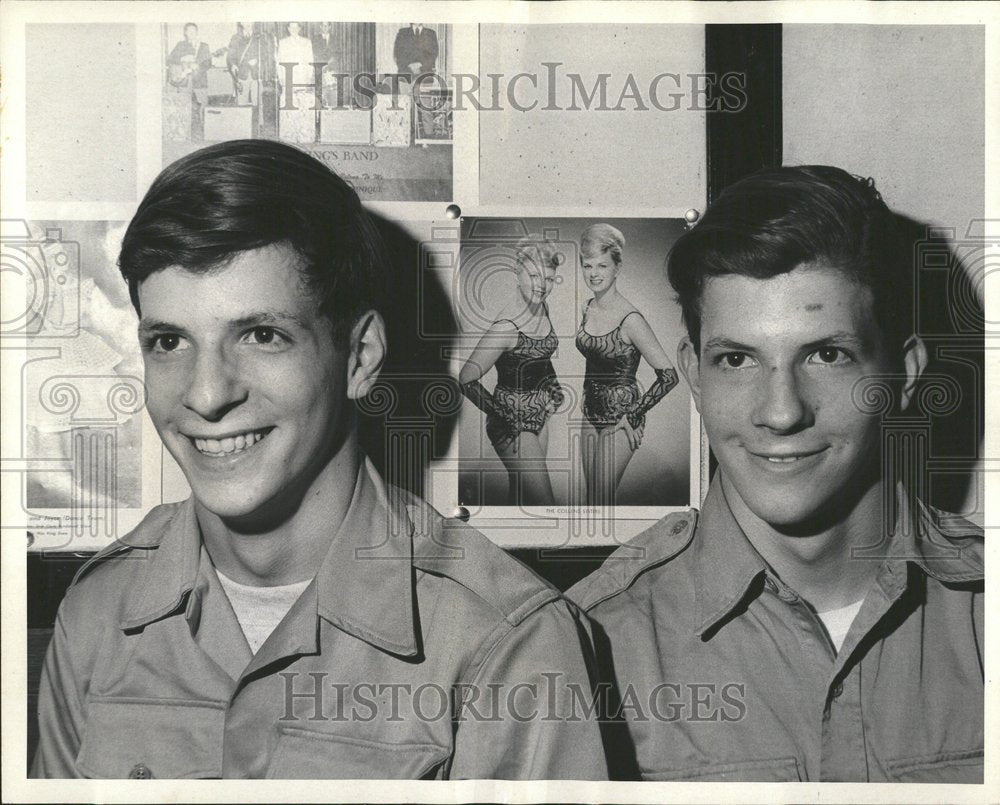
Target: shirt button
(836, 690)
(140, 771)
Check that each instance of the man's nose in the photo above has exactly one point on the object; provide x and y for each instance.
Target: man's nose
(782, 404)
(215, 386)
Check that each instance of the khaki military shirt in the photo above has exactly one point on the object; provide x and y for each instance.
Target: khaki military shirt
(719, 671)
(419, 650)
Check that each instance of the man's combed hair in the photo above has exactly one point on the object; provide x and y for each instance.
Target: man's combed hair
(236, 196)
(778, 219)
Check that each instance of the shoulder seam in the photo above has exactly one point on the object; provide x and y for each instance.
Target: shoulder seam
(542, 596)
(121, 545)
(110, 552)
(618, 588)
(505, 627)
(537, 591)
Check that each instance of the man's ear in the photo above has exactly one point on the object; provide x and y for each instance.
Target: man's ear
(687, 360)
(366, 355)
(914, 363)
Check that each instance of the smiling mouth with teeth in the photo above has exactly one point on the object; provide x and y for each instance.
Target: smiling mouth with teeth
(229, 445)
(786, 459)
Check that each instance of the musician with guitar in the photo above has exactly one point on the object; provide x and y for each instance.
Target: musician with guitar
(243, 61)
(189, 61)
(187, 68)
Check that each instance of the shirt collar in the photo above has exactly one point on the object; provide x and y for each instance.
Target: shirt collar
(170, 571)
(727, 565)
(730, 570)
(364, 584)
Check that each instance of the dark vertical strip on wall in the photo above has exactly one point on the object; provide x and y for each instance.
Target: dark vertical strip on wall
(748, 139)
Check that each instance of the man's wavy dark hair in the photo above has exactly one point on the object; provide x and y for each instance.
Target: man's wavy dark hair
(777, 219)
(236, 196)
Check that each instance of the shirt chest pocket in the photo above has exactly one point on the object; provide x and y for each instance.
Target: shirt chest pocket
(309, 755)
(777, 770)
(142, 739)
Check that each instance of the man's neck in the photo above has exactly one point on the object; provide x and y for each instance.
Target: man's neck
(819, 565)
(291, 550)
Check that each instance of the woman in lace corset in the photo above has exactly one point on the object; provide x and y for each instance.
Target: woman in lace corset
(614, 337)
(520, 344)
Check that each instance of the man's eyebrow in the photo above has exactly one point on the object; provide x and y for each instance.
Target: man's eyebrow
(838, 338)
(721, 342)
(268, 317)
(255, 319)
(149, 326)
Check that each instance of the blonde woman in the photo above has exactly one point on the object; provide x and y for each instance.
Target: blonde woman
(520, 344)
(614, 337)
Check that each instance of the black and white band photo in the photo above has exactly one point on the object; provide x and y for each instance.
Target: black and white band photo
(494, 402)
(375, 96)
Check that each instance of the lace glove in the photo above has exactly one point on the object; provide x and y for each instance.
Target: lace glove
(666, 379)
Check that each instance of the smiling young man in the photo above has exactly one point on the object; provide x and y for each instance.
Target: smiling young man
(814, 621)
(294, 618)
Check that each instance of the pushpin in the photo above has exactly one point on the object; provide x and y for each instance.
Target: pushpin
(453, 211)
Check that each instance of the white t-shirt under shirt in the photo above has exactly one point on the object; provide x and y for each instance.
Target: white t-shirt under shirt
(260, 609)
(838, 621)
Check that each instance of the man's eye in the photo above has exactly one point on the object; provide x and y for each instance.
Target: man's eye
(265, 336)
(829, 356)
(736, 360)
(165, 343)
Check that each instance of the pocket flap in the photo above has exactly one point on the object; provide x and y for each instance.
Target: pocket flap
(777, 770)
(160, 739)
(944, 767)
(309, 755)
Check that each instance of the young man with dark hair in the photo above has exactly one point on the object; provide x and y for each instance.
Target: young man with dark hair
(293, 618)
(815, 621)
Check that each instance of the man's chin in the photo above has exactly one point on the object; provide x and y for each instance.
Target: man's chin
(803, 516)
(791, 511)
(246, 513)
(235, 508)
